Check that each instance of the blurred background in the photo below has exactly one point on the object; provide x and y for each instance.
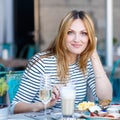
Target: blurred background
(28, 26)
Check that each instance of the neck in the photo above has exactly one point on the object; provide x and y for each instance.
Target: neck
(72, 59)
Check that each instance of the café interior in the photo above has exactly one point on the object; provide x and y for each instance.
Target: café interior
(22, 35)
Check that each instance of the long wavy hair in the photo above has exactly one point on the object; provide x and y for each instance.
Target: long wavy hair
(58, 48)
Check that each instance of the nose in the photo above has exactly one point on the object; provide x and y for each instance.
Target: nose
(77, 38)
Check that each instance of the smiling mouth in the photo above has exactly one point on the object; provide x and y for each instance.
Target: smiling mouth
(76, 45)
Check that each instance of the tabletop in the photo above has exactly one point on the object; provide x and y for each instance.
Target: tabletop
(12, 63)
(32, 116)
(19, 117)
(52, 114)
(56, 114)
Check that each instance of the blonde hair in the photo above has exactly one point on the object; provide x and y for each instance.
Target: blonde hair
(58, 47)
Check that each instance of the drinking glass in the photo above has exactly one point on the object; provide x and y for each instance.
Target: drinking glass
(45, 92)
(67, 101)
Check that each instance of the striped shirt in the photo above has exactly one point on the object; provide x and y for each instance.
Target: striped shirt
(30, 83)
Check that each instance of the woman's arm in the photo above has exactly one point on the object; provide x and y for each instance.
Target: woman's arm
(103, 85)
(28, 90)
(23, 107)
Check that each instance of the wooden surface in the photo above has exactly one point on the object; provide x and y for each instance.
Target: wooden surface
(13, 63)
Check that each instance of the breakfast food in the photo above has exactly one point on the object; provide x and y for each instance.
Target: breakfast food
(101, 115)
(105, 115)
(85, 105)
(104, 102)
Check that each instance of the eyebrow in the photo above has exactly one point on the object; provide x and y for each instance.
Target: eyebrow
(80, 30)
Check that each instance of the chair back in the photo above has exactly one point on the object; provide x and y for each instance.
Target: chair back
(2, 67)
(31, 51)
(28, 51)
(13, 79)
(115, 81)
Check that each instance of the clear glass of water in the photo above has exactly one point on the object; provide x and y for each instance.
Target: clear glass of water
(45, 92)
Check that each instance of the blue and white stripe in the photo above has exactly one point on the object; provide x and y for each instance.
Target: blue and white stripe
(29, 86)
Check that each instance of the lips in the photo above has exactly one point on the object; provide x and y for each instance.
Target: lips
(76, 45)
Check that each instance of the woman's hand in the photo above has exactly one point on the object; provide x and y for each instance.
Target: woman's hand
(55, 96)
(103, 85)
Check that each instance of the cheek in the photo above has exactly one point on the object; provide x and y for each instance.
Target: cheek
(67, 42)
(67, 45)
(69, 38)
(85, 45)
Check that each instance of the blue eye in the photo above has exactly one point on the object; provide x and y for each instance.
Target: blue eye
(84, 33)
(70, 32)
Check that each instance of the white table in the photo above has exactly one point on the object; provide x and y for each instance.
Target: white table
(51, 115)
(29, 116)
(19, 117)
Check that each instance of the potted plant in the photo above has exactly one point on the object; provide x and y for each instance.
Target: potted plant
(3, 105)
(3, 88)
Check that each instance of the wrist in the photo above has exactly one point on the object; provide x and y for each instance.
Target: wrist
(103, 75)
(94, 55)
(38, 106)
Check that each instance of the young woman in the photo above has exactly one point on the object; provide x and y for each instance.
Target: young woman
(72, 56)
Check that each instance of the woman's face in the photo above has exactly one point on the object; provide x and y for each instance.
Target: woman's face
(77, 38)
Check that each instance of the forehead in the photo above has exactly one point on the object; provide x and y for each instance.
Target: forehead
(77, 24)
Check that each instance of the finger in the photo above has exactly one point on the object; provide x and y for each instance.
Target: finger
(53, 96)
(56, 91)
(95, 38)
(52, 103)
